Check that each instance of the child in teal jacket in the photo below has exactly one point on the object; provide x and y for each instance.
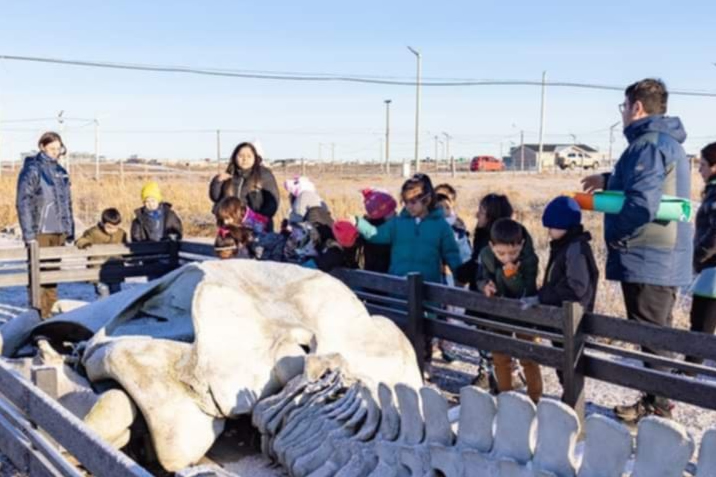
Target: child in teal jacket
(421, 240)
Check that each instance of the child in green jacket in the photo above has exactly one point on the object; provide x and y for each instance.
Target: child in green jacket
(421, 240)
(509, 269)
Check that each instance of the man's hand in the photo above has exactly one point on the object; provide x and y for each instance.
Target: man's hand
(593, 183)
(490, 289)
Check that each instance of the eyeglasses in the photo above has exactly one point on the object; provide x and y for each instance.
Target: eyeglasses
(415, 200)
(622, 107)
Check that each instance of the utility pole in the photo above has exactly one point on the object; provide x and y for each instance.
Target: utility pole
(436, 148)
(522, 150)
(218, 150)
(541, 124)
(611, 142)
(96, 150)
(447, 154)
(387, 136)
(417, 110)
(61, 122)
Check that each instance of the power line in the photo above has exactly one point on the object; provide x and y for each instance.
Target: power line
(328, 77)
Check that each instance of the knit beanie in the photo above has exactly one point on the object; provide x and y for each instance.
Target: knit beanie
(345, 233)
(562, 213)
(378, 203)
(298, 184)
(151, 189)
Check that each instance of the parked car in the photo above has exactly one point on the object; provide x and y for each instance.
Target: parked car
(486, 163)
(574, 159)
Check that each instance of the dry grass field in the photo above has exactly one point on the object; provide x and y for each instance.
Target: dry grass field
(339, 186)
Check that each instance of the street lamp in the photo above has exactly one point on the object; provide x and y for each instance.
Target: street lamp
(417, 109)
(611, 141)
(447, 154)
(387, 136)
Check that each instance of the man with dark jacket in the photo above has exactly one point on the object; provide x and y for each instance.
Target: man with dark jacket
(650, 258)
(44, 205)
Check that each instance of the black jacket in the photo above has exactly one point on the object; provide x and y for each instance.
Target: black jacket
(44, 202)
(263, 200)
(571, 273)
(376, 257)
(142, 226)
(467, 272)
(705, 235)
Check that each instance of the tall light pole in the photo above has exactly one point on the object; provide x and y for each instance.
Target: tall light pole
(61, 122)
(541, 124)
(387, 136)
(611, 142)
(417, 109)
(218, 150)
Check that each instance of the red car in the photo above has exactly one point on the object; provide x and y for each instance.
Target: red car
(486, 163)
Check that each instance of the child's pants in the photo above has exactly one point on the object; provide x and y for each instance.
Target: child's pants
(503, 373)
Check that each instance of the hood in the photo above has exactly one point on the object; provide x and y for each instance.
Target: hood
(670, 126)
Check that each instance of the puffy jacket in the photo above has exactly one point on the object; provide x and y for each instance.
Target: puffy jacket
(98, 236)
(572, 272)
(522, 284)
(263, 200)
(468, 271)
(44, 202)
(142, 227)
(705, 237)
(416, 247)
(376, 257)
(639, 248)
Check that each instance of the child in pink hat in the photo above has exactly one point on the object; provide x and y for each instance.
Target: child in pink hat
(380, 207)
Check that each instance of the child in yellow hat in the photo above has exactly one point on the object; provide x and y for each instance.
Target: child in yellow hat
(155, 220)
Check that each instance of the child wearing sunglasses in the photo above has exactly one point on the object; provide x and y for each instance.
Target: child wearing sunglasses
(420, 238)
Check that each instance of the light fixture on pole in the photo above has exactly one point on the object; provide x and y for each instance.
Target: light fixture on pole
(417, 109)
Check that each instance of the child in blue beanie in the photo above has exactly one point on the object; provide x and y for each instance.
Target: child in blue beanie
(571, 274)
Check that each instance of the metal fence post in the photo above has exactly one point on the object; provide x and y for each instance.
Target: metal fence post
(573, 372)
(416, 316)
(33, 272)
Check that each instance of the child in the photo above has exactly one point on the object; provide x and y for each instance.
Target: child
(302, 195)
(379, 207)
(703, 306)
(571, 273)
(232, 239)
(492, 208)
(107, 231)
(462, 236)
(509, 269)
(420, 238)
(155, 221)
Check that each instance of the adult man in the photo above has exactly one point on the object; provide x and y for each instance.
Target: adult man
(650, 258)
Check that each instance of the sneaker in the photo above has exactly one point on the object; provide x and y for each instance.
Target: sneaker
(632, 414)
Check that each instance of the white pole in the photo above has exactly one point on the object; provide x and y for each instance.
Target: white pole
(387, 136)
(541, 124)
(96, 150)
(417, 110)
(522, 150)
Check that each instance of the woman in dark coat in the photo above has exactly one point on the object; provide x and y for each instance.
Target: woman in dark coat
(44, 204)
(250, 181)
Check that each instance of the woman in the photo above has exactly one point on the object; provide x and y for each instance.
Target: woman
(703, 306)
(44, 204)
(247, 179)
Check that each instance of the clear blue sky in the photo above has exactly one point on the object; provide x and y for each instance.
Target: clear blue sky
(608, 42)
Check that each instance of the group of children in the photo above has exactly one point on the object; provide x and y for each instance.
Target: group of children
(427, 236)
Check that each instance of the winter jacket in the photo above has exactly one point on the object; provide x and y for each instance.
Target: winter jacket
(572, 274)
(416, 246)
(44, 202)
(376, 256)
(263, 200)
(522, 284)
(639, 248)
(144, 225)
(97, 236)
(705, 236)
(468, 271)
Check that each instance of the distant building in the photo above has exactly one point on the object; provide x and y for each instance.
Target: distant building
(550, 153)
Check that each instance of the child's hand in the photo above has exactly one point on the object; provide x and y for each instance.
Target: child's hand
(490, 289)
(511, 269)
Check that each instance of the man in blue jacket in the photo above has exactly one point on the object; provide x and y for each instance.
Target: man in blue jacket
(650, 258)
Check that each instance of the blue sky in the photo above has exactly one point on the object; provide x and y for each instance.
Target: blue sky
(606, 42)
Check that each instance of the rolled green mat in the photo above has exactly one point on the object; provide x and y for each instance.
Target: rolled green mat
(671, 208)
